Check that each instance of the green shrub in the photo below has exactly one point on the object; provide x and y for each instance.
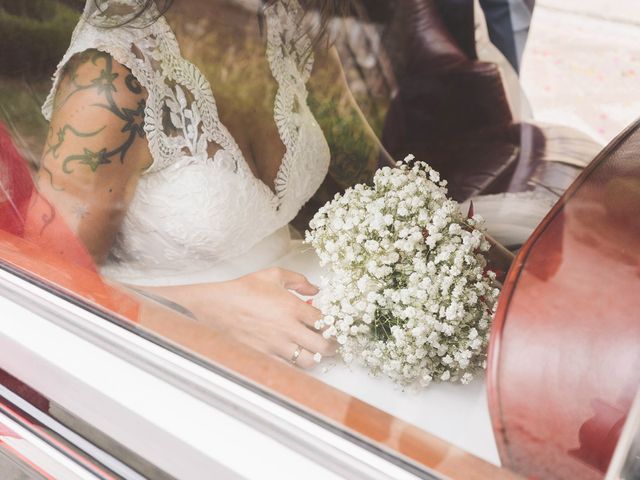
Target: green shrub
(34, 36)
(37, 9)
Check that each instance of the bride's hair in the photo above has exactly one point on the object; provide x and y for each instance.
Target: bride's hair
(162, 6)
(326, 8)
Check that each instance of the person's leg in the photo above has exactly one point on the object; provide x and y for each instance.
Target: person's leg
(521, 12)
(501, 32)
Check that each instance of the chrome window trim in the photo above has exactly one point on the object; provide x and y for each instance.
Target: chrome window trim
(41, 452)
(312, 440)
(84, 445)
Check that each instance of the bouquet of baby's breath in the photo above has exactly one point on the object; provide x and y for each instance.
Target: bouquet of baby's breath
(409, 294)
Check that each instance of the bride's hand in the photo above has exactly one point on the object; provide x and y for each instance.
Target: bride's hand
(260, 310)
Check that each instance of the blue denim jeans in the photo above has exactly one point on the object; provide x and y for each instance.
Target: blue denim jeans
(508, 23)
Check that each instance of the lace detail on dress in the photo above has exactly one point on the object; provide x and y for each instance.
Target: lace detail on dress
(190, 207)
(291, 61)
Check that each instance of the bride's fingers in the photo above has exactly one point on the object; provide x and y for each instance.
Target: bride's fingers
(296, 282)
(317, 315)
(308, 314)
(313, 342)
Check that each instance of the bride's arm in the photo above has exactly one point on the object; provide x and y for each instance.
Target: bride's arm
(93, 158)
(95, 150)
(258, 310)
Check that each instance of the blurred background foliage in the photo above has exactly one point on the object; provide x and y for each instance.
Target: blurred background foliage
(34, 34)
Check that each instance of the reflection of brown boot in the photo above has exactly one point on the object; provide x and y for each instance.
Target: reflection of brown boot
(452, 111)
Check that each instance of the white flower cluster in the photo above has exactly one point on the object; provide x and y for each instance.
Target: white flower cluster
(408, 295)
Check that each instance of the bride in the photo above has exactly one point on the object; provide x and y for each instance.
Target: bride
(182, 145)
(173, 177)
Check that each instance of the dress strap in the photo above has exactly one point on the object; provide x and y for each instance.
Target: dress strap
(290, 56)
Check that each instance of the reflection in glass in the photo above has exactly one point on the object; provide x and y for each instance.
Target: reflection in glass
(187, 145)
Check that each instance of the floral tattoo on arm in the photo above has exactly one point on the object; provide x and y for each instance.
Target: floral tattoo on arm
(132, 120)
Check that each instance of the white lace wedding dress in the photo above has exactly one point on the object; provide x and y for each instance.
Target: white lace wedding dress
(198, 219)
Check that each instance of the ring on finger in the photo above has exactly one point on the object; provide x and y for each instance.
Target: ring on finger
(296, 355)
